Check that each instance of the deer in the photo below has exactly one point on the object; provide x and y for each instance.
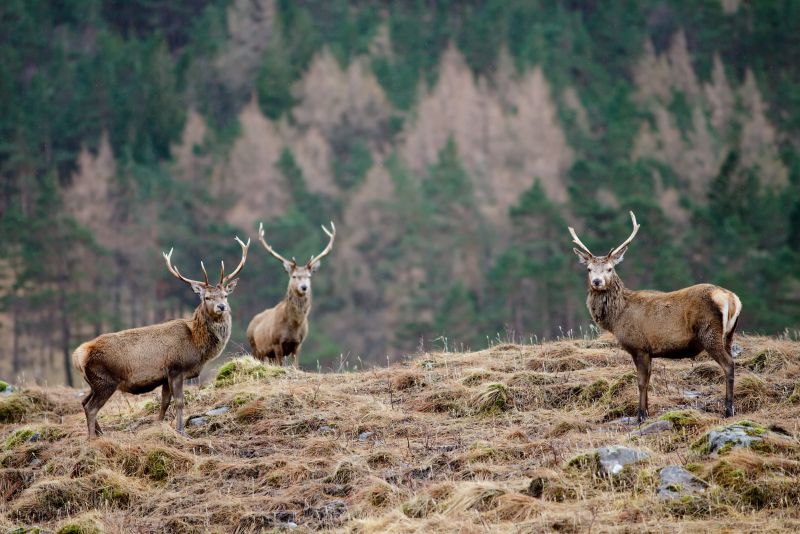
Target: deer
(167, 354)
(279, 332)
(654, 324)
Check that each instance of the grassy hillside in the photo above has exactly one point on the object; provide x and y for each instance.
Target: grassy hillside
(498, 440)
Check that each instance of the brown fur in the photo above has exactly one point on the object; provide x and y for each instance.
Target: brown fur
(280, 331)
(652, 324)
(141, 359)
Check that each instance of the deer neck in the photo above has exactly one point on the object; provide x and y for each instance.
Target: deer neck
(298, 306)
(607, 306)
(209, 333)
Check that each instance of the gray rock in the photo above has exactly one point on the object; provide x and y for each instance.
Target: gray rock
(736, 350)
(36, 436)
(691, 394)
(197, 421)
(364, 436)
(677, 482)
(615, 457)
(325, 428)
(8, 390)
(652, 428)
(291, 524)
(736, 435)
(218, 411)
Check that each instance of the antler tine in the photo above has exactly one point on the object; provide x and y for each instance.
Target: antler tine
(328, 248)
(204, 272)
(238, 269)
(579, 242)
(176, 273)
(269, 248)
(630, 238)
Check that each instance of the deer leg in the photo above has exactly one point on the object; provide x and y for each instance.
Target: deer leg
(643, 368)
(176, 386)
(166, 397)
(277, 350)
(98, 398)
(725, 360)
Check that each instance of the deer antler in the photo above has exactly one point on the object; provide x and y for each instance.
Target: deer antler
(327, 249)
(578, 242)
(630, 238)
(270, 249)
(177, 274)
(225, 279)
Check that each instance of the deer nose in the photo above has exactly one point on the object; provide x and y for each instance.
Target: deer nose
(221, 307)
(596, 282)
(304, 288)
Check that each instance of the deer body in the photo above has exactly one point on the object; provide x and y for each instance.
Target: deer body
(141, 359)
(279, 332)
(654, 324)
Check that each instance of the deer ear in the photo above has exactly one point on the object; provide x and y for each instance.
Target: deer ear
(288, 266)
(199, 289)
(314, 267)
(582, 256)
(231, 285)
(619, 256)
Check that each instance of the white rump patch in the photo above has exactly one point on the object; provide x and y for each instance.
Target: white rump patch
(729, 305)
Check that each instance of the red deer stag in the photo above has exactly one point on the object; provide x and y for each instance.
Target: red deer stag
(279, 332)
(652, 324)
(141, 359)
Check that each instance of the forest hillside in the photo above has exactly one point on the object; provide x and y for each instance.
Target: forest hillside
(451, 142)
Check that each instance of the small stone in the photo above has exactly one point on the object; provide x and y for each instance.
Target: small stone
(197, 421)
(736, 350)
(218, 411)
(652, 428)
(325, 428)
(677, 482)
(691, 394)
(36, 436)
(614, 458)
(364, 436)
(291, 524)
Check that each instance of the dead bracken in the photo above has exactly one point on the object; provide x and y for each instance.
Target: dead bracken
(472, 442)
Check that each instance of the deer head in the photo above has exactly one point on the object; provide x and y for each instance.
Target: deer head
(601, 268)
(300, 275)
(213, 297)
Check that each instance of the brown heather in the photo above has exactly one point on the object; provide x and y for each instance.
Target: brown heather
(444, 442)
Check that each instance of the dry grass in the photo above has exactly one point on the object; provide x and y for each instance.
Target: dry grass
(493, 441)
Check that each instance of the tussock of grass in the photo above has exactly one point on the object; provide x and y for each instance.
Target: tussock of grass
(492, 441)
(246, 368)
(494, 398)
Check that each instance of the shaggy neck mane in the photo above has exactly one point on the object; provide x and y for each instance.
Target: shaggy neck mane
(606, 306)
(298, 305)
(210, 333)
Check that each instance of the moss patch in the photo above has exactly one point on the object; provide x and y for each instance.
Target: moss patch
(683, 418)
(246, 368)
(29, 434)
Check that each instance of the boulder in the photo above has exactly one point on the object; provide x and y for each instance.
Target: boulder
(677, 482)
